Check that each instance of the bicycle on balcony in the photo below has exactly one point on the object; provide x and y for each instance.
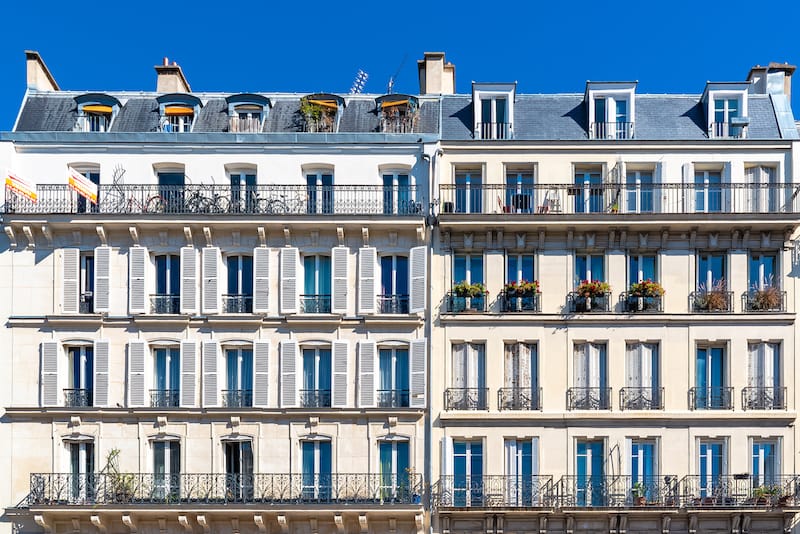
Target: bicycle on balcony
(202, 200)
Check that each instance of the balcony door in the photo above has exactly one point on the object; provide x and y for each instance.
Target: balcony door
(710, 379)
(394, 284)
(167, 377)
(81, 463)
(319, 193)
(393, 389)
(766, 466)
(764, 191)
(764, 390)
(84, 205)
(81, 377)
(522, 485)
(590, 377)
(642, 381)
(317, 284)
(171, 188)
(239, 470)
(639, 191)
(519, 192)
(469, 192)
(712, 467)
(521, 389)
(763, 271)
(316, 392)
(494, 118)
(167, 469)
(317, 468)
(590, 473)
(711, 272)
(394, 464)
(239, 298)
(469, 377)
(168, 284)
(397, 194)
(467, 473)
(708, 191)
(588, 191)
(239, 372)
(243, 192)
(643, 467)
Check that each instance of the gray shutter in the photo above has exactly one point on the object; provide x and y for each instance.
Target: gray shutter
(290, 258)
(339, 282)
(101, 359)
(261, 373)
(367, 389)
(137, 266)
(49, 373)
(261, 280)
(71, 272)
(417, 272)
(102, 280)
(289, 357)
(689, 189)
(188, 373)
(211, 295)
(367, 262)
(188, 280)
(339, 368)
(137, 354)
(210, 365)
(417, 355)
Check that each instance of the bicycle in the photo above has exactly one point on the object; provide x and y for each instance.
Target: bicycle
(197, 202)
(276, 205)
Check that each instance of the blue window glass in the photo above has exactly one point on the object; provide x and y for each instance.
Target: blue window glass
(711, 467)
(319, 193)
(469, 192)
(519, 267)
(639, 191)
(467, 473)
(765, 463)
(642, 267)
(588, 192)
(168, 275)
(589, 473)
(589, 267)
(763, 271)
(519, 192)
(643, 462)
(708, 191)
(710, 270)
(710, 378)
(167, 369)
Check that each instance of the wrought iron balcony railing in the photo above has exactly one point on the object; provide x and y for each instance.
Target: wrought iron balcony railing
(237, 398)
(637, 304)
(466, 399)
(398, 124)
(769, 299)
(494, 130)
(393, 304)
(165, 398)
(611, 130)
(487, 491)
(584, 491)
(764, 398)
(597, 303)
(393, 398)
(593, 398)
(727, 130)
(647, 398)
(519, 398)
(315, 398)
(520, 303)
(165, 304)
(711, 301)
(78, 398)
(64, 489)
(460, 304)
(315, 303)
(237, 303)
(739, 490)
(711, 398)
(86, 303)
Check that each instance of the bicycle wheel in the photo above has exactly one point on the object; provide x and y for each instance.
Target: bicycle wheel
(222, 204)
(276, 207)
(155, 204)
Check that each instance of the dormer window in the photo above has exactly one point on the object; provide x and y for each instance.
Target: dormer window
(95, 112)
(321, 112)
(398, 113)
(178, 112)
(246, 113)
(726, 109)
(611, 109)
(493, 106)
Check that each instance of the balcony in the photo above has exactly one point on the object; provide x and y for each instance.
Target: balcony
(244, 125)
(393, 304)
(727, 130)
(651, 398)
(64, 489)
(398, 124)
(636, 304)
(714, 301)
(595, 398)
(78, 398)
(597, 303)
(739, 490)
(516, 303)
(494, 130)
(466, 399)
(237, 303)
(460, 304)
(611, 130)
(393, 398)
(165, 398)
(315, 398)
(315, 303)
(768, 299)
(487, 491)
(711, 398)
(86, 303)
(165, 304)
(237, 398)
(519, 398)
(764, 398)
(576, 491)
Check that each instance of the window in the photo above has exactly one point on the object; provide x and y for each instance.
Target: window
(467, 473)
(239, 372)
(765, 193)
(86, 303)
(244, 192)
(642, 267)
(519, 267)
(589, 473)
(316, 392)
(321, 112)
(726, 111)
(763, 271)
(588, 190)
(644, 469)
(168, 284)
(95, 112)
(711, 391)
(177, 117)
(394, 284)
(469, 378)
(494, 122)
(320, 192)
(521, 389)
(171, 187)
(397, 194)
(239, 298)
(639, 191)
(589, 267)
(711, 271)
(766, 463)
(394, 464)
(81, 377)
(713, 465)
(393, 391)
(764, 391)
(167, 469)
(246, 118)
(468, 269)
(398, 113)
(85, 206)
(317, 287)
(611, 119)
(642, 391)
(239, 470)
(522, 484)
(81, 464)
(317, 469)
(469, 192)
(591, 391)
(519, 192)
(167, 377)
(708, 191)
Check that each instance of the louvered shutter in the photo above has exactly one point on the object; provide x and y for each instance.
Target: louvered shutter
(290, 258)
(188, 280)
(339, 368)
(634, 366)
(647, 350)
(418, 354)
(367, 262)
(581, 366)
(288, 390)
(367, 367)
(447, 460)
(525, 355)
(49, 374)
(261, 280)
(102, 280)
(261, 373)
(210, 372)
(595, 364)
(510, 357)
(188, 373)
(71, 271)
(770, 360)
(689, 189)
(137, 265)
(137, 354)
(417, 272)
(658, 190)
(339, 282)
(460, 366)
(101, 360)
(211, 294)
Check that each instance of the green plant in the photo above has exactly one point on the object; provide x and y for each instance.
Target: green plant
(465, 289)
(592, 288)
(315, 114)
(638, 490)
(523, 287)
(646, 288)
(120, 485)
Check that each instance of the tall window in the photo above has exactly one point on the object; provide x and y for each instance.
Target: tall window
(469, 191)
(320, 192)
(589, 472)
(708, 191)
(167, 468)
(764, 391)
(394, 464)
(494, 118)
(589, 267)
(588, 191)
(765, 192)
(726, 109)
(519, 192)
(639, 191)
(244, 193)
(87, 284)
(168, 284)
(467, 473)
(316, 392)
(642, 267)
(469, 378)
(521, 391)
(171, 188)
(239, 469)
(642, 391)
(644, 468)
(766, 462)
(239, 371)
(711, 391)
(317, 468)
(167, 377)
(394, 284)
(468, 268)
(763, 271)
(81, 463)
(84, 206)
(522, 485)
(713, 465)
(393, 391)
(591, 390)
(81, 377)
(519, 267)
(711, 271)
(397, 196)
(317, 296)
(239, 298)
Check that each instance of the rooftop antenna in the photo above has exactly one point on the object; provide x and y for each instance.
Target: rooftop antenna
(390, 85)
(359, 82)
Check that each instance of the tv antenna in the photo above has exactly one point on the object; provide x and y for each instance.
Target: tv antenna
(359, 82)
(393, 78)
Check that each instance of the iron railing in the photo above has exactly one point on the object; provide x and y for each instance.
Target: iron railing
(237, 398)
(589, 398)
(727, 130)
(584, 491)
(398, 124)
(597, 303)
(611, 130)
(466, 399)
(63, 489)
(315, 303)
(637, 304)
(165, 303)
(764, 398)
(494, 130)
(711, 398)
(460, 304)
(86, 302)
(713, 301)
(487, 491)
(165, 398)
(641, 398)
(529, 398)
(739, 490)
(237, 303)
(769, 299)
(393, 398)
(393, 304)
(315, 398)
(525, 302)
(78, 398)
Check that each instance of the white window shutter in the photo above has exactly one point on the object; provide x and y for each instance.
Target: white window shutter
(289, 357)
(137, 266)
(71, 272)
(339, 368)
(261, 280)
(290, 258)
(188, 280)
(447, 457)
(367, 388)
(417, 356)
(188, 373)
(49, 374)
(101, 360)
(102, 280)
(339, 283)
(417, 272)
(581, 353)
(261, 373)
(137, 354)
(689, 189)
(367, 288)
(211, 294)
(210, 372)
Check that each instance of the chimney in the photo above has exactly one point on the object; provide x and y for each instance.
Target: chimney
(772, 79)
(436, 76)
(39, 77)
(171, 78)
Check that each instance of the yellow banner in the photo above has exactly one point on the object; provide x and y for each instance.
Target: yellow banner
(19, 186)
(82, 185)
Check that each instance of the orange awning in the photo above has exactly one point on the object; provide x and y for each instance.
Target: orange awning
(178, 110)
(325, 103)
(97, 108)
(395, 103)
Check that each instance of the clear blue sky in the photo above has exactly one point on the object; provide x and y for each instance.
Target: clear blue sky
(546, 46)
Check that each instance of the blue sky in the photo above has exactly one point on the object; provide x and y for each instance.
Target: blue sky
(311, 46)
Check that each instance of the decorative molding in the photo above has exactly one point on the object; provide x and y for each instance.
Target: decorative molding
(570, 238)
(692, 523)
(128, 521)
(420, 235)
(29, 236)
(542, 235)
(314, 524)
(570, 524)
(713, 239)
(392, 421)
(236, 239)
(499, 238)
(287, 236)
(203, 522)
(162, 525)
(521, 238)
(262, 236)
(74, 422)
(183, 520)
(340, 235)
(187, 233)
(365, 236)
(12, 242)
(362, 523)
(693, 238)
(543, 524)
(664, 237)
(161, 421)
(313, 422)
(489, 240)
(419, 522)
(766, 239)
(392, 525)
(42, 522)
(207, 235)
(77, 237)
(134, 235)
(746, 518)
(735, 234)
(76, 524)
(644, 237)
(623, 238)
(612, 236)
(235, 525)
(163, 238)
(665, 522)
(235, 422)
(338, 520)
(591, 239)
(392, 239)
(101, 234)
(468, 240)
(258, 519)
(283, 523)
(48, 234)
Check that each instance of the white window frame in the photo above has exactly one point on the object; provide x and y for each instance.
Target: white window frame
(493, 92)
(519, 256)
(611, 92)
(468, 270)
(82, 348)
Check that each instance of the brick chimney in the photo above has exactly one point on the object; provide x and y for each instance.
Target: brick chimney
(772, 79)
(436, 76)
(39, 77)
(171, 78)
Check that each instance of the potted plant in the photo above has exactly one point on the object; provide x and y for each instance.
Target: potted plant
(638, 492)
(318, 118)
(712, 298)
(766, 298)
(521, 289)
(764, 495)
(466, 291)
(119, 486)
(591, 290)
(641, 295)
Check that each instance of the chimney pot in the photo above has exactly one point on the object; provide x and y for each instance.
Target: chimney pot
(166, 61)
